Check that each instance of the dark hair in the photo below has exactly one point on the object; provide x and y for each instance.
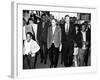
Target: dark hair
(42, 15)
(54, 19)
(66, 16)
(30, 19)
(83, 24)
(25, 11)
(76, 25)
(29, 34)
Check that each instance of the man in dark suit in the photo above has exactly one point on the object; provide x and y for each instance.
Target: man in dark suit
(42, 37)
(67, 42)
(53, 43)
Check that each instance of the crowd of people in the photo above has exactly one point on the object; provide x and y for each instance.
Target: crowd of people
(47, 36)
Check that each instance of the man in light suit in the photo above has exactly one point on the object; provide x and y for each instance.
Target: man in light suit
(53, 43)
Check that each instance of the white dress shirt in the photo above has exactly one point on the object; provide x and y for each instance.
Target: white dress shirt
(84, 38)
(66, 27)
(31, 46)
(53, 30)
(84, 35)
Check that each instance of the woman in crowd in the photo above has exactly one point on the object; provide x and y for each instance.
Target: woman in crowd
(76, 44)
(29, 28)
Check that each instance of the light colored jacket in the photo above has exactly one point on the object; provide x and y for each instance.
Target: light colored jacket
(56, 37)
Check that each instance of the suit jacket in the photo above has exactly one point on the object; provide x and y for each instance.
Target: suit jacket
(80, 39)
(56, 37)
(69, 36)
(67, 40)
(42, 33)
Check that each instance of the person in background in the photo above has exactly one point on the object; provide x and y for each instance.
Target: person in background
(24, 34)
(88, 54)
(34, 25)
(42, 38)
(30, 49)
(53, 43)
(76, 44)
(84, 45)
(26, 15)
(29, 28)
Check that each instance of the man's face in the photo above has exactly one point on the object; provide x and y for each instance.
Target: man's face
(83, 28)
(67, 19)
(76, 28)
(26, 14)
(30, 21)
(43, 19)
(53, 22)
(28, 37)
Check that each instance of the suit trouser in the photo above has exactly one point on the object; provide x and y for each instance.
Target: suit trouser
(43, 51)
(53, 55)
(67, 54)
(87, 57)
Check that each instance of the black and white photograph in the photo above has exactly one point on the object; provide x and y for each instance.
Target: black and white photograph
(52, 40)
(56, 39)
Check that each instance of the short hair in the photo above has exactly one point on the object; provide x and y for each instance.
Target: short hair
(66, 16)
(25, 11)
(30, 19)
(43, 15)
(29, 34)
(54, 19)
(76, 25)
(83, 24)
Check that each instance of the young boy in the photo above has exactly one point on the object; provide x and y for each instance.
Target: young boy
(30, 49)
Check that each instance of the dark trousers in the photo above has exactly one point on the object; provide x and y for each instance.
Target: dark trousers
(68, 61)
(43, 52)
(29, 62)
(53, 55)
(67, 54)
(87, 56)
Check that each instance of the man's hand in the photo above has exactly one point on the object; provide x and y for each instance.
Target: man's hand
(60, 48)
(30, 53)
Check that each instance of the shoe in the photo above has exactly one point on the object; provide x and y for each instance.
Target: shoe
(61, 62)
(55, 66)
(45, 62)
(41, 61)
(51, 66)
